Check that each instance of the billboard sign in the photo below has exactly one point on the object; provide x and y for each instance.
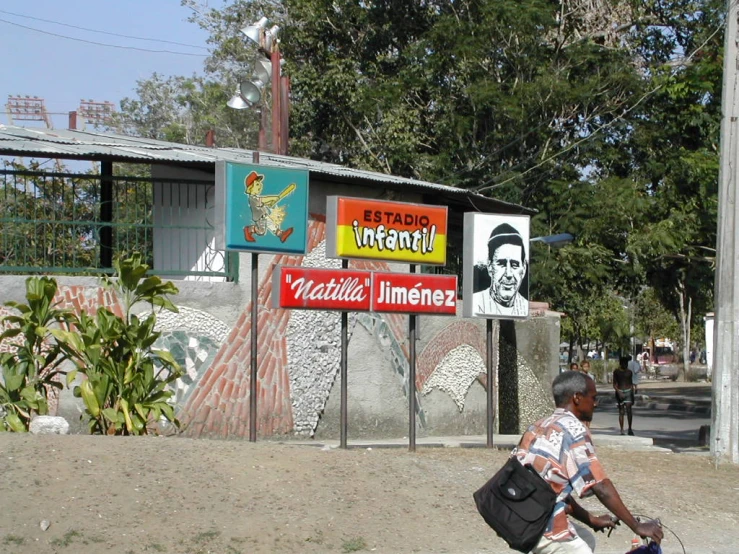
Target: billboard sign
(262, 209)
(414, 293)
(391, 231)
(321, 289)
(309, 288)
(495, 282)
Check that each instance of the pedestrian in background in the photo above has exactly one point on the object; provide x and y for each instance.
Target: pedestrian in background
(585, 368)
(635, 368)
(623, 384)
(574, 367)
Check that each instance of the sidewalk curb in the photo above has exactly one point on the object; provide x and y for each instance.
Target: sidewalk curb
(500, 442)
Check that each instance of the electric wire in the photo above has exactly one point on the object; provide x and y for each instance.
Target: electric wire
(103, 43)
(102, 32)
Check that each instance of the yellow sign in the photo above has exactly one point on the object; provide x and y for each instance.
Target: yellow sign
(392, 231)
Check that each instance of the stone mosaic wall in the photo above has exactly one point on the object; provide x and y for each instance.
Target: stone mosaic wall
(193, 337)
(313, 353)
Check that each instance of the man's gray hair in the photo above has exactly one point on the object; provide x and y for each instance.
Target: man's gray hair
(567, 384)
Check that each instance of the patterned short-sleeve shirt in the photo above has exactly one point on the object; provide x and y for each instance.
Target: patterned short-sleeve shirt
(560, 448)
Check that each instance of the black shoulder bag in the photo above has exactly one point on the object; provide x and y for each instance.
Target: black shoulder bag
(517, 503)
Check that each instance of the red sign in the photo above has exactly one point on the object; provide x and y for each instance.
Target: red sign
(321, 289)
(415, 293)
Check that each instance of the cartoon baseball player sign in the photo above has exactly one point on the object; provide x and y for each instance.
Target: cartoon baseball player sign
(266, 209)
(265, 213)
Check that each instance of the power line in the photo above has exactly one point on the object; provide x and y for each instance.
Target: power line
(102, 43)
(102, 32)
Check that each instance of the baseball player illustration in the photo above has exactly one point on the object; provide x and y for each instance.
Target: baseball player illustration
(266, 215)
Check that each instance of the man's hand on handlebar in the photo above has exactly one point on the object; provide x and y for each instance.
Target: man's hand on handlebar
(650, 529)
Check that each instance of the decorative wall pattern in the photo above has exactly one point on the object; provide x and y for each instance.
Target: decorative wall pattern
(219, 407)
(193, 321)
(456, 373)
(193, 337)
(392, 342)
(534, 399)
(313, 353)
(299, 357)
(89, 299)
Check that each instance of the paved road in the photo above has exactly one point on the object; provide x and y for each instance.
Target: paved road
(669, 428)
(675, 428)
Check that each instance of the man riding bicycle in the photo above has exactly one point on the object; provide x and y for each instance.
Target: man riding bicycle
(560, 449)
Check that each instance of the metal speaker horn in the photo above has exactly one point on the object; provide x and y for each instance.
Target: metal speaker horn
(252, 32)
(263, 70)
(237, 103)
(251, 91)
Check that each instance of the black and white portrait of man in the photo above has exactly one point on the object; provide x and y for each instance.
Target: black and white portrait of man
(496, 266)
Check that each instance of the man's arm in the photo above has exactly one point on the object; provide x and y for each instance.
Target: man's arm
(598, 523)
(609, 497)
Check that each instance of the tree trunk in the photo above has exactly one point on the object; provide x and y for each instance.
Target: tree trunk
(686, 304)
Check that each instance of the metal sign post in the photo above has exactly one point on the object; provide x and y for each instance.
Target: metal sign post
(343, 370)
(490, 419)
(260, 209)
(254, 328)
(412, 378)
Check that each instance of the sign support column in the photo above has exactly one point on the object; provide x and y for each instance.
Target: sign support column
(344, 361)
(253, 369)
(412, 378)
(491, 382)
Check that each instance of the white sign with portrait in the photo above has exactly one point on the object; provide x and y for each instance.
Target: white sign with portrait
(495, 281)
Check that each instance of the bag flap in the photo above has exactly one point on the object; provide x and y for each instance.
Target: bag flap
(515, 487)
(520, 489)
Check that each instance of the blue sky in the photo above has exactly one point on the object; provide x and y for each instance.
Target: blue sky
(63, 71)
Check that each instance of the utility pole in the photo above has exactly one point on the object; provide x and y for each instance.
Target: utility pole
(725, 404)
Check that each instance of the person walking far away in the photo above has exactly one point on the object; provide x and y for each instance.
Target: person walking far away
(585, 368)
(574, 367)
(635, 368)
(507, 267)
(623, 384)
(559, 447)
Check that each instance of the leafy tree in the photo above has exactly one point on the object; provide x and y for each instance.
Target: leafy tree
(652, 319)
(184, 109)
(601, 115)
(672, 149)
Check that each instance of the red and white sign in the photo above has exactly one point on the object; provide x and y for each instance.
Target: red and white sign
(414, 293)
(321, 289)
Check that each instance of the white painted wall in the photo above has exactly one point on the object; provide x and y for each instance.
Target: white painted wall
(179, 205)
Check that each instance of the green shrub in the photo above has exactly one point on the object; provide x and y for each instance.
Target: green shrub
(125, 390)
(30, 371)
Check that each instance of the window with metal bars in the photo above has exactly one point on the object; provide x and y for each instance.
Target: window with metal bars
(75, 223)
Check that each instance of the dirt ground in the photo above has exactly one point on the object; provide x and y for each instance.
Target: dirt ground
(174, 495)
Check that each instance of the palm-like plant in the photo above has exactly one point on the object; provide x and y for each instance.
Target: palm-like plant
(125, 390)
(30, 371)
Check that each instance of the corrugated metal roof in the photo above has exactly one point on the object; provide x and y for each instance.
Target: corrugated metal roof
(88, 145)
